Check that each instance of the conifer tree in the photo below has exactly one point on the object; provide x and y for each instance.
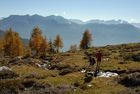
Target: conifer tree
(19, 48)
(13, 45)
(51, 46)
(86, 40)
(36, 40)
(44, 46)
(58, 43)
(8, 38)
(28, 51)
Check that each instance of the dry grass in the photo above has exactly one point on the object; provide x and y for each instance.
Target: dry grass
(24, 70)
(100, 85)
(64, 80)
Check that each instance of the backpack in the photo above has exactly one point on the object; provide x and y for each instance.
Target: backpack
(92, 61)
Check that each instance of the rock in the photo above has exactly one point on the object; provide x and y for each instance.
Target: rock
(32, 61)
(133, 57)
(88, 77)
(4, 68)
(28, 83)
(44, 66)
(136, 57)
(59, 66)
(66, 71)
(16, 60)
(7, 73)
(130, 80)
(83, 71)
(89, 85)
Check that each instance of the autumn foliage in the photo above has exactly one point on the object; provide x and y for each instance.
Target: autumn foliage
(44, 46)
(12, 44)
(58, 43)
(85, 43)
(37, 43)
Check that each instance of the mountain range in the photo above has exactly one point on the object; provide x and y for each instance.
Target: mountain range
(136, 25)
(104, 32)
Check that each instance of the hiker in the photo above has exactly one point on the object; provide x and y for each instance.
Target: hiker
(91, 59)
(99, 58)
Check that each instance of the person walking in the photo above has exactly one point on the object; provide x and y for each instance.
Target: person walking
(91, 61)
(99, 58)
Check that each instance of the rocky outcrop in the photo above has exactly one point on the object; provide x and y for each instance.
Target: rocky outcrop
(130, 80)
(7, 73)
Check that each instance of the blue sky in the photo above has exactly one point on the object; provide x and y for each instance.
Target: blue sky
(77, 9)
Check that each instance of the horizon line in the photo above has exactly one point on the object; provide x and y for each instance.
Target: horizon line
(70, 18)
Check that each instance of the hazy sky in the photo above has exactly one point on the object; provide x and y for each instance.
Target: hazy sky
(79, 9)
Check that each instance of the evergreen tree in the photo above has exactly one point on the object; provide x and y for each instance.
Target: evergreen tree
(51, 46)
(86, 40)
(58, 43)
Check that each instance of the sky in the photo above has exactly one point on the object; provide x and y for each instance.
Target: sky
(128, 10)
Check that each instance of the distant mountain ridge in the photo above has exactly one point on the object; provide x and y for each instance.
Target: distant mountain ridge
(136, 25)
(104, 32)
(108, 21)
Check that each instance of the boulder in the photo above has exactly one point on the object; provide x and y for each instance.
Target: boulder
(4, 68)
(88, 77)
(7, 73)
(66, 71)
(16, 60)
(130, 80)
(136, 57)
(133, 57)
(59, 66)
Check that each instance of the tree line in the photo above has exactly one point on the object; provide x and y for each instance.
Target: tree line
(12, 45)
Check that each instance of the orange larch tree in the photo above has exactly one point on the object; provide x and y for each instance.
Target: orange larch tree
(86, 40)
(12, 44)
(58, 43)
